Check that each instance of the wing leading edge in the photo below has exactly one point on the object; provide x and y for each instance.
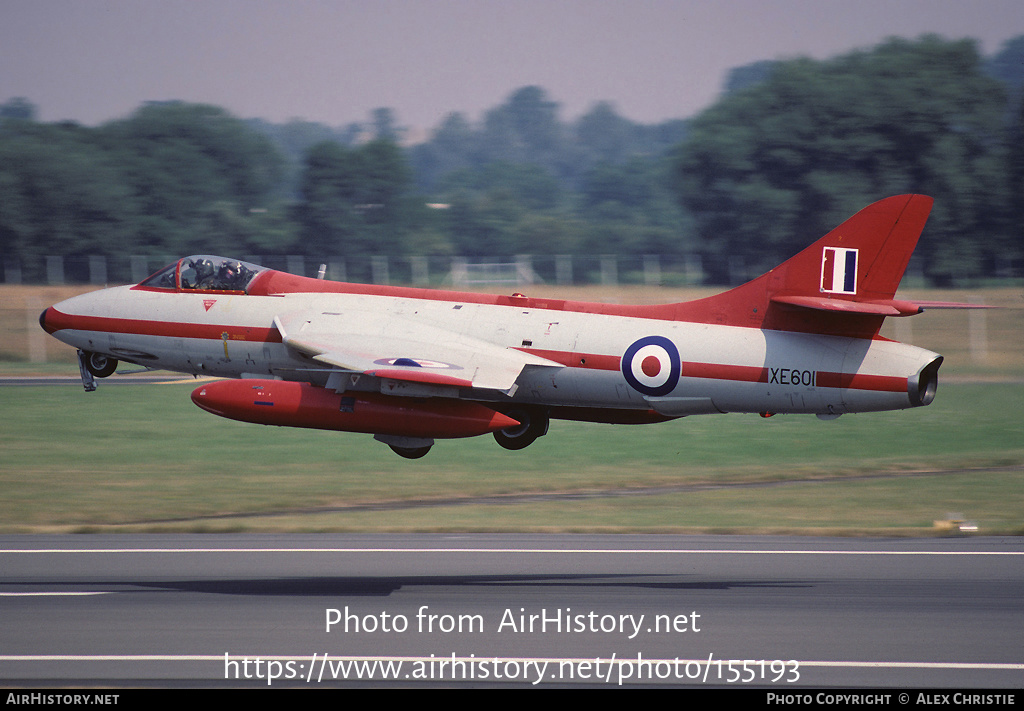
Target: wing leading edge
(403, 349)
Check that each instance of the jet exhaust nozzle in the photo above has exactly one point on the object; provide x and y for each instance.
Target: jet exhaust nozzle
(922, 387)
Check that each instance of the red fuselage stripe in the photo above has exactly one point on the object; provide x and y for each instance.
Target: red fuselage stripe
(594, 361)
(863, 381)
(57, 321)
(739, 373)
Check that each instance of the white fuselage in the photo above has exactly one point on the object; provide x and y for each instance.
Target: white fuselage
(673, 368)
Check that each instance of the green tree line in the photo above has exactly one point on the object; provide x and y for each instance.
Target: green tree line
(780, 162)
(791, 149)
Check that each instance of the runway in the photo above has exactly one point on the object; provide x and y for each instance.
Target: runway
(781, 613)
(156, 378)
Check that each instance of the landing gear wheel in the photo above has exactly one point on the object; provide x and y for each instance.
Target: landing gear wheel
(100, 365)
(410, 452)
(532, 424)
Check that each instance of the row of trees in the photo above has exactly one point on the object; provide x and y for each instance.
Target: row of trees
(781, 162)
(170, 179)
(790, 150)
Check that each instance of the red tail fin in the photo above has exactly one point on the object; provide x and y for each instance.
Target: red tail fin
(864, 258)
(843, 284)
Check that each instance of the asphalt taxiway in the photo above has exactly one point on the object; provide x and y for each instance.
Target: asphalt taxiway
(785, 613)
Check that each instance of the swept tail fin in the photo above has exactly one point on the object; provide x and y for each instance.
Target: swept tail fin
(843, 284)
(863, 259)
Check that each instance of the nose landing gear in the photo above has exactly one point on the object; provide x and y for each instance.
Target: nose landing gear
(94, 365)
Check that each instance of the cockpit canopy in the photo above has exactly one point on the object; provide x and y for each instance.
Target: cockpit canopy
(203, 272)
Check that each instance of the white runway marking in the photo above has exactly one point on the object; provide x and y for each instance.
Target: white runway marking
(516, 551)
(52, 594)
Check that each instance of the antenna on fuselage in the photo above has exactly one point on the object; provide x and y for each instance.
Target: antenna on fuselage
(322, 271)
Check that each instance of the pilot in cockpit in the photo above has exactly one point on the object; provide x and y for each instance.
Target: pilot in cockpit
(206, 277)
(204, 273)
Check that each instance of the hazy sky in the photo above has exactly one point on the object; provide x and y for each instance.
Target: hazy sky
(334, 61)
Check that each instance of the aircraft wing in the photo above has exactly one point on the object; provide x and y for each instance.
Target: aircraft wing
(404, 349)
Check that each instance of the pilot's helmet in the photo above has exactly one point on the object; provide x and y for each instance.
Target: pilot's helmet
(230, 270)
(204, 268)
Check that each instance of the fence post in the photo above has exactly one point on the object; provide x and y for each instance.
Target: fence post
(652, 270)
(55, 271)
(36, 335)
(139, 267)
(977, 326)
(460, 273)
(609, 270)
(296, 264)
(737, 270)
(524, 270)
(563, 269)
(336, 269)
(694, 269)
(12, 272)
(379, 269)
(420, 268)
(97, 269)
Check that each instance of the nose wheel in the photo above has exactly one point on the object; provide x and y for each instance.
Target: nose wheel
(94, 365)
(100, 365)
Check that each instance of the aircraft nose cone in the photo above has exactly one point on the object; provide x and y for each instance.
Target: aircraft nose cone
(42, 320)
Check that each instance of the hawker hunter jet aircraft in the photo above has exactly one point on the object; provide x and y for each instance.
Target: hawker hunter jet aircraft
(413, 365)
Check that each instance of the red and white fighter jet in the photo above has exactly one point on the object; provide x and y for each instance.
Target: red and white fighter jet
(414, 365)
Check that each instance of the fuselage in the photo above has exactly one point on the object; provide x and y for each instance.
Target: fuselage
(411, 365)
(614, 366)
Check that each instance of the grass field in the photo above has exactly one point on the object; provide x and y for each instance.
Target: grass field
(145, 458)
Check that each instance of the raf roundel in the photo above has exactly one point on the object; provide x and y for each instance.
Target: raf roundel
(651, 366)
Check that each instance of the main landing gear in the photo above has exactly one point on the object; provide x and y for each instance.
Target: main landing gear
(408, 447)
(410, 452)
(533, 423)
